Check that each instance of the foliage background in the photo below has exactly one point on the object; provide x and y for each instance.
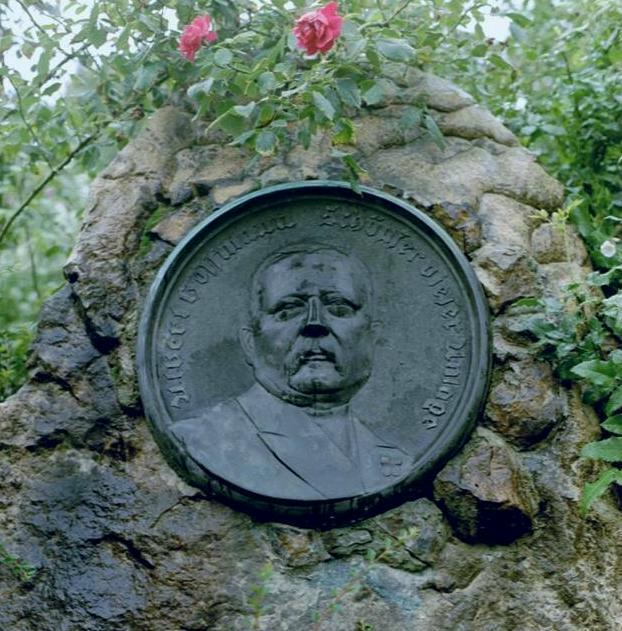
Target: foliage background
(79, 78)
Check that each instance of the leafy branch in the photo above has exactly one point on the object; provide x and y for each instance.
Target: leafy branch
(50, 176)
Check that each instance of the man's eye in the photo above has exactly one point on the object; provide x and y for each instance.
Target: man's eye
(341, 309)
(287, 312)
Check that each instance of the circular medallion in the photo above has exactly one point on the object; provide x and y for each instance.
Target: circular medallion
(312, 354)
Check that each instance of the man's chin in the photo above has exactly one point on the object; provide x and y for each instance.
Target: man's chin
(314, 380)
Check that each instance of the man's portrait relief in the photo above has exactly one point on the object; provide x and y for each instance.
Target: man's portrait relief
(309, 339)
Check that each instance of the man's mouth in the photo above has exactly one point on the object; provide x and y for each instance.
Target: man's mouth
(316, 356)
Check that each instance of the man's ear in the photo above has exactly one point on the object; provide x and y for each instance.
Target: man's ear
(247, 342)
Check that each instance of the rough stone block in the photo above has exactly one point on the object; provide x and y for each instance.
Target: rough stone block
(551, 243)
(475, 122)
(507, 273)
(523, 405)
(485, 492)
(428, 89)
(505, 221)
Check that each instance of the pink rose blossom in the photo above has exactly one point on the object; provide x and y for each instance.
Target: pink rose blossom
(318, 30)
(198, 31)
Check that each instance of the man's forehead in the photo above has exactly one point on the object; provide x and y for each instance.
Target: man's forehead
(320, 260)
(323, 269)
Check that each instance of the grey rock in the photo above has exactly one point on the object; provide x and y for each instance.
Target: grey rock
(119, 541)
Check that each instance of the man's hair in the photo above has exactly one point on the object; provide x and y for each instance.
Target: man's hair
(301, 250)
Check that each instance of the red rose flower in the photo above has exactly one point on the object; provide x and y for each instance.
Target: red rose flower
(198, 31)
(317, 30)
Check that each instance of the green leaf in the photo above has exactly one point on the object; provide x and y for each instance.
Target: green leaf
(267, 82)
(96, 37)
(592, 491)
(376, 94)
(498, 61)
(615, 402)
(324, 105)
(243, 138)
(230, 122)
(612, 310)
(223, 57)
(344, 133)
(480, 50)
(434, 131)
(609, 450)
(349, 92)
(266, 143)
(613, 424)
(395, 49)
(245, 110)
(595, 371)
(266, 114)
(519, 18)
(54, 87)
(203, 87)
(530, 302)
(411, 117)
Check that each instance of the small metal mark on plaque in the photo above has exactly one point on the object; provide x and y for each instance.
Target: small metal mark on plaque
(311, 354)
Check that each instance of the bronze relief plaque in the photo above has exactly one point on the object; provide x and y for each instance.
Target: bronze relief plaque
(312, 354)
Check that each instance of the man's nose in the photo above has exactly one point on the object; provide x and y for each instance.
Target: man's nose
(314, 325)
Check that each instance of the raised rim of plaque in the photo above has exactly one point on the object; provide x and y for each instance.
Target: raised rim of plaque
(322, 513)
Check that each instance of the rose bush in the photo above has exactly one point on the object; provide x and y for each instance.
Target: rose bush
(198, 31)
(318, 30)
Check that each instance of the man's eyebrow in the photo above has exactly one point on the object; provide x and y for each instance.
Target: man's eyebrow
(288, 297)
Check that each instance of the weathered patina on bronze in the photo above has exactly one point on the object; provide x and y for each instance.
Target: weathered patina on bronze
(313, 354)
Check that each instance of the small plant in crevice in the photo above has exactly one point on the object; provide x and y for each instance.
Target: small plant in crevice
(356, 582)
(258, 593)
(20, 570)
(580, 333)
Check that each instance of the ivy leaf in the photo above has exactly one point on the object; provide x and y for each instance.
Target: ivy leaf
(609, 450)
(349, 92)
(613, 424)
(395, 49)
(595, 371)
(615, 401)
(324, 105)
(592, 491)
(434, 131)
(266, 143)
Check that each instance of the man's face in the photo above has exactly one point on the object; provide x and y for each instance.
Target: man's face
(313, 333)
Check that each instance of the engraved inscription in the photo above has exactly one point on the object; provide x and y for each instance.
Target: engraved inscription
(173, 365)
(436, 407)
(374, 226)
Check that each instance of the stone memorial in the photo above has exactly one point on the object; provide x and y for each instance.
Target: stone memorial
(135, 509)
(311, 353)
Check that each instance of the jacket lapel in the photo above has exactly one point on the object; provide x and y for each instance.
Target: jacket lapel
(302, 446)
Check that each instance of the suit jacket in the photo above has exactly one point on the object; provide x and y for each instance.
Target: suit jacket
(269, 447)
